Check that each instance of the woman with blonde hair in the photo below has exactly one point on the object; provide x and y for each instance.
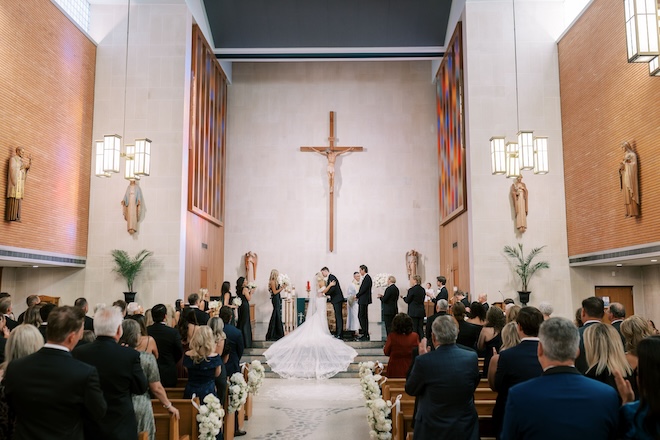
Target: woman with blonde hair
(634, 329)
(604, 354)
(275, 327)
(203, 363)
(510, 338)
(217, 326)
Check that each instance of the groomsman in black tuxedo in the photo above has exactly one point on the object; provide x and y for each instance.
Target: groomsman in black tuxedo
(442, 290)
(389, 301)
(415, 301)
(51, 393)
(168, 341)
(336, 298)
(364, 299)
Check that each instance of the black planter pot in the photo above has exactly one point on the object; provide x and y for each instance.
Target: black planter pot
(524, 296)
(129, 297)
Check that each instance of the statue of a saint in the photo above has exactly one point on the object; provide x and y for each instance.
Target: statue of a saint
(412, 258)
(629, 180)
(132, 206)
(18, 168)
(251, 266)
(519, 197)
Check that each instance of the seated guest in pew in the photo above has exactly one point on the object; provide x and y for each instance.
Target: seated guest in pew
(168, 342)
(519, 363)
(584, 408)
(399, 346)
(444, 381)
(604, 354)
(441, 307)
(142, 402)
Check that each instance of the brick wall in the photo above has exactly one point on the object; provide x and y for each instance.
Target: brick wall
(46, 106)
(605, 101)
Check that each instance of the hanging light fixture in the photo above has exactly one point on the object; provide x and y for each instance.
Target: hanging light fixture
(541, 155)
(526, 144)
(642, 39)
(512, 160)
(654, 67)
(498, 155)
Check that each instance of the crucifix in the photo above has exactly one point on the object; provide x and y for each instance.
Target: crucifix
(331, 152)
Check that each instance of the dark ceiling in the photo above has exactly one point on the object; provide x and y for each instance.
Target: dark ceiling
(323, 28)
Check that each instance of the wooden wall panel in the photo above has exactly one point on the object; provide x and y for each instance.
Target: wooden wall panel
(454, 253)
(46, 106)
(204, 249)
(606, 100)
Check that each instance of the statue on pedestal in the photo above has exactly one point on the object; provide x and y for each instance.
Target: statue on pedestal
(19, 165)
(629, 180)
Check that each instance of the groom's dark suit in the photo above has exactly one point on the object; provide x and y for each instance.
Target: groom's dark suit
(364, 299)
(337, 299)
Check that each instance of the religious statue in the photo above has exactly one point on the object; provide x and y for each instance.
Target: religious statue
(629, 180)
(132, 206)
(332, 157)
(519, 197)
(412, 258)
(251, 266)
(18, 168)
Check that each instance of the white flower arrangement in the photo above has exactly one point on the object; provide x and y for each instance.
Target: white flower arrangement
(252, 285)
(213, 305)
(380, 280)
(380, 423)
(284, 281)
(210, 417)
(256, 376)
(237, 301)
(370, 387)
(238, 391)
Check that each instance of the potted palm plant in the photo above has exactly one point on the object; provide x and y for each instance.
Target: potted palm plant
(128, 268)
(525, 267)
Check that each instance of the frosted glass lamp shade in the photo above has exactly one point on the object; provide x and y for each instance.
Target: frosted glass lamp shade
(497, 155)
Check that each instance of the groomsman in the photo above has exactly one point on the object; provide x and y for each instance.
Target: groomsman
(364, 299)
(336, 299)
(442, 290)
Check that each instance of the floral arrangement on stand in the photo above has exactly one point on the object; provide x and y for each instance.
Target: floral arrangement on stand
(380, 280)
(256, 375)
(238, 391)
(378, 409)
(210, 417)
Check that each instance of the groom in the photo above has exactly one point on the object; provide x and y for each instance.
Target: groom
(364, 299)
(336, 298)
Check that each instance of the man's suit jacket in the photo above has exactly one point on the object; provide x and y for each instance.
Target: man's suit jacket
(53, 394)
(11, 324)
(442, 294)
(335, 293)
(202, 316)
(236, 346)
(168, 342)
(584, 408)
(89, 323)
(617, 326)
(389, 300)
(581, 361)
(364, 294)
(515, 365)
(415, 300)
(121, 375)
(429, 326)
(446, 401)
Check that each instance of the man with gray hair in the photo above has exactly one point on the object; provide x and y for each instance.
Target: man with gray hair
(121, 375)
(444, 381)
(546, 309)
(440, 310)
(591, 407)
(617, 313)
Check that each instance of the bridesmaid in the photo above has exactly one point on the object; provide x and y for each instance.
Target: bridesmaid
(275, 327)
(244, 325)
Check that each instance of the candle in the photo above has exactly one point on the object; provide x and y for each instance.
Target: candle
(308, 286)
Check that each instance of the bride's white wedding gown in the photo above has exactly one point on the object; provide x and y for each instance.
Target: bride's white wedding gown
(310, 351)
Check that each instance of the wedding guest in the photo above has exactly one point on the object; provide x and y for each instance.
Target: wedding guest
(148, 318)
(133, 309)
(547, 309)
(31, 300)
(490, 337)
(122, 307)
(352, 322)
(171, 317)
(168, 342)
(234, 340)
(616, 314)
(203, 364)
(193, 304)
(477, 314)
(6, 310)
(275, 327)
(511, 311)
(634, 329)
(145, 342)
(142, 402)
(244, 325)
(389, 301)
(483, 300)
(178, 308)
(32, 316)
(82, 303)
(510, 338)
(467, 333)
(604, 354)
(44, 311)
(415, 301)
(399, 346)
(593, 310)
(441, 307)
(578, 318)
(222, 348)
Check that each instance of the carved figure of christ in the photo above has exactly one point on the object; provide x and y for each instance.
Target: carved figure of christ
(331, 153)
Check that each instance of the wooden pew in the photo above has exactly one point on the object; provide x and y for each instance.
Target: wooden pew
(483, 383)
(181, 382)
(485, 394)
(229, 422)
(187, 415)
(484, 407)
(167, 427)
(174, 393)
(144, 435)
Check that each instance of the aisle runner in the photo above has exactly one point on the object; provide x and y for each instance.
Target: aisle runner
(308, 409)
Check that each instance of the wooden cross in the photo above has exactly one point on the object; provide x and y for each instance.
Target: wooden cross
(331, 152)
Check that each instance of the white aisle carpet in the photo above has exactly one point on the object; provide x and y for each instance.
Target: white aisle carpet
(290, 409)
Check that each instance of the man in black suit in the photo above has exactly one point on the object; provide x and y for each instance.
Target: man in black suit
(51, 393)
(234, 339)
(5, 309)
(168, 342)
(389, 301)
(32, 300)
(517, 364)
(336, 299)
(121, 375)
(617, 313)
(415, 301)
(44, 311)
(364, 299)
(440, 310)
(442, 290)
(201, 316)
(593, 310)
(82, 303)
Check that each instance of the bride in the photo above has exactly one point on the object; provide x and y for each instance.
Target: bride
(310, 351)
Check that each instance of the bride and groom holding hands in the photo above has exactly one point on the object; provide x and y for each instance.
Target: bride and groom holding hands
(333, 290)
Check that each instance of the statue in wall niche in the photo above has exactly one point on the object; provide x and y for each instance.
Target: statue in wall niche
(412, 258)
(132, 206)
(519, 196)
(19, 164)
(251, 266)
(629, 180)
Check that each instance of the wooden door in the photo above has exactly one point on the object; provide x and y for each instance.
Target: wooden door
(619, 294)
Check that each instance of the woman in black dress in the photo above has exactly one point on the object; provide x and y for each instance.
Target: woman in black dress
(275, 327)
(244, 325)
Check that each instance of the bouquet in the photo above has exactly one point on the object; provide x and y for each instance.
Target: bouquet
(237, 301)
(210, 417)
(238, 391)
(378, 416)
(256, 376)
(214, 305)
(380, 280)
(252, 285)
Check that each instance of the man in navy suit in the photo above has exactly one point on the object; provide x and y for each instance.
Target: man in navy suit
(364, 299)
(444, 381)
(121, 376)
(51, 393)
(415, 301)
(561, 403)
(519, 363)
(235, 340)
(168, 342)
(336, 299)
(593, 310)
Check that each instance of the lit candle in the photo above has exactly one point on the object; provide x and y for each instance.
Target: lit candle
(308, 286)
